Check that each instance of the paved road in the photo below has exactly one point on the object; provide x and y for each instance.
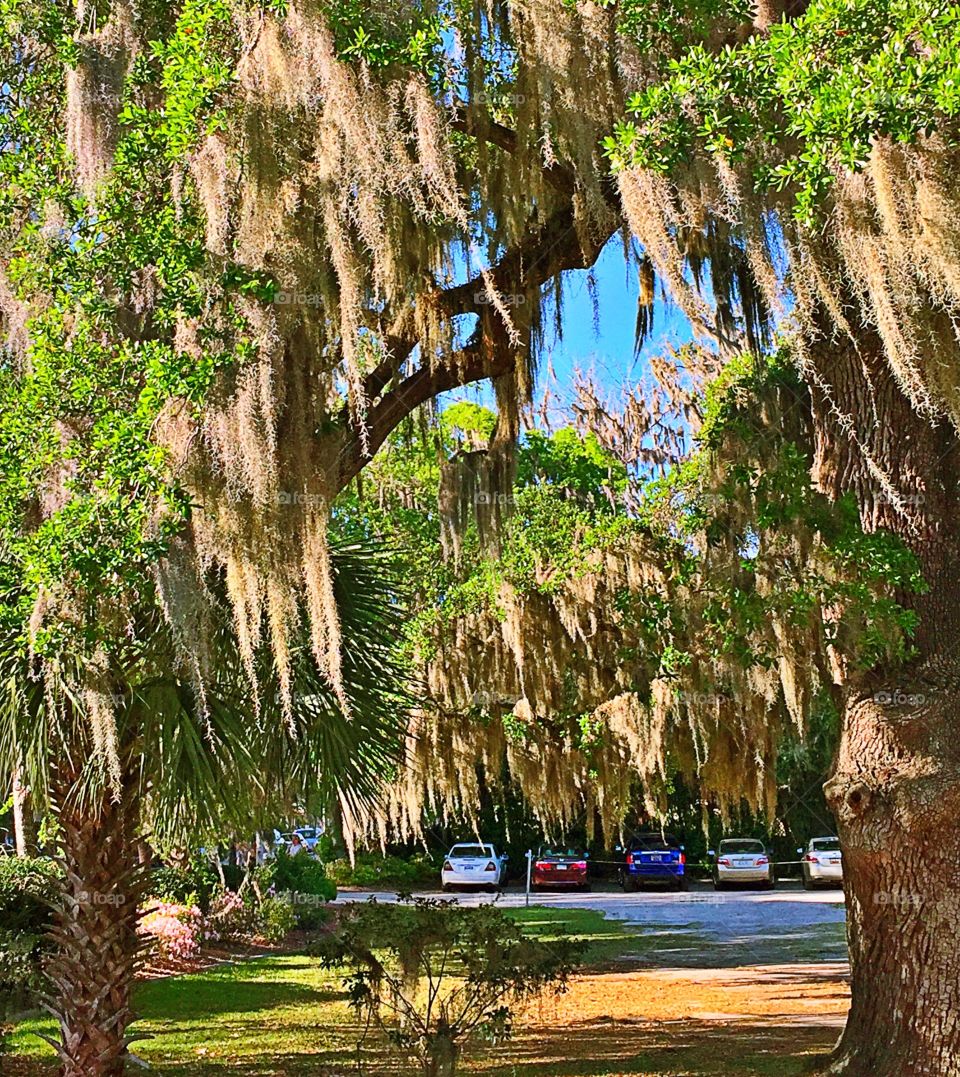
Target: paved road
(703, 928)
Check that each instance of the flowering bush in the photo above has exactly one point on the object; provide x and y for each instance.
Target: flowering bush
(230, 917)
(178, 930)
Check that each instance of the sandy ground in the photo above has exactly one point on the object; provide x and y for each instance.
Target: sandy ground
(742, 1022)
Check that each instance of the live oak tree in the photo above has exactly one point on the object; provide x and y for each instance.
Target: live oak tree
(827, 147)
(623, 631)
(243, 241)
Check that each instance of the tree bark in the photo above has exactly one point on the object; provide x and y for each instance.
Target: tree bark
(23, 830)
(442, 1056)
(895, 784)
(93, 971)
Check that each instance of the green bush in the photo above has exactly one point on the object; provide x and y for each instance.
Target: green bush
(301, 881)
(277, 918)
(193, 884)
(434, 975)
(393, 872)
(311, 917)
(27, 887)
(301, 874)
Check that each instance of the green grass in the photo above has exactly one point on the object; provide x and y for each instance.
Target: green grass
(275, 1015)
(283, 1015)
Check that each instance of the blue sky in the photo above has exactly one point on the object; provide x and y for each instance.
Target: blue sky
(608, 354)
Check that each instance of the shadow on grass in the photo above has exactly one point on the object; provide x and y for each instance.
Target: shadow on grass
(604, 1047)
(228, 989)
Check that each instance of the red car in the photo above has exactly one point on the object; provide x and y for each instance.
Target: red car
(560, 867)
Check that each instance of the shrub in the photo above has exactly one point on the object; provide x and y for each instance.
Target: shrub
(194, 884)
(311, 917)
(21, 972)
(27, 886)
(230, 917)
(276, 918)
(300, 874)
(477, 964)
(392, 872)
(177, 930)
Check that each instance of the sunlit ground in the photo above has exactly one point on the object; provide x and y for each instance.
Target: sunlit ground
(283, 1015)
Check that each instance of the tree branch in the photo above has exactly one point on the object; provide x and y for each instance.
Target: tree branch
(474, 363)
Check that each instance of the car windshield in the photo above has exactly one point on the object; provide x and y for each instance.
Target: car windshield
(826, 845)
(741, 845)
(646, 842)
(472, 850)
(567, 851)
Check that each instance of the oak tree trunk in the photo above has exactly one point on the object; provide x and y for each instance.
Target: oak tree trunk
(93, 970)
(895, 784)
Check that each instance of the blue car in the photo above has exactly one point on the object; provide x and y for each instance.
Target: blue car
(655, 858)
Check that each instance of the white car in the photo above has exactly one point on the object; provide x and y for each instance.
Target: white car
(821, 863)
(743, 860)
(310, 835)
(473, 864)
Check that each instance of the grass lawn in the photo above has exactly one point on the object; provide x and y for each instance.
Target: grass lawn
(282, 1015)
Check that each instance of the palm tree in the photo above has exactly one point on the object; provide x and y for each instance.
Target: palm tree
(188, 760)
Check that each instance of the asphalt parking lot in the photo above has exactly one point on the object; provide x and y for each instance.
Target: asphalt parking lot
(701, 928)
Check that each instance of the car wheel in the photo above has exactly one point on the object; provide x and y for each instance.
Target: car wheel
(683, 883)
(629, 884)
(446, 888)
(771, 882)
(717, 885)
(584, 888)
(807, 882)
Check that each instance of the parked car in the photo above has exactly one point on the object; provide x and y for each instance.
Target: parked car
(559, 866)
(655, 858)
(821, 863)
(742, 860)
(473, 864)
(310, 835)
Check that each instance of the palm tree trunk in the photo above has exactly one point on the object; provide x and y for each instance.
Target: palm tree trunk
(895, 785)
(93, 970)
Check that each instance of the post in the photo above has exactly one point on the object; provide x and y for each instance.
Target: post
(529, 865)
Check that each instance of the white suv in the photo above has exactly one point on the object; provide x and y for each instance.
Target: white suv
(473, 864)
(822, 862)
